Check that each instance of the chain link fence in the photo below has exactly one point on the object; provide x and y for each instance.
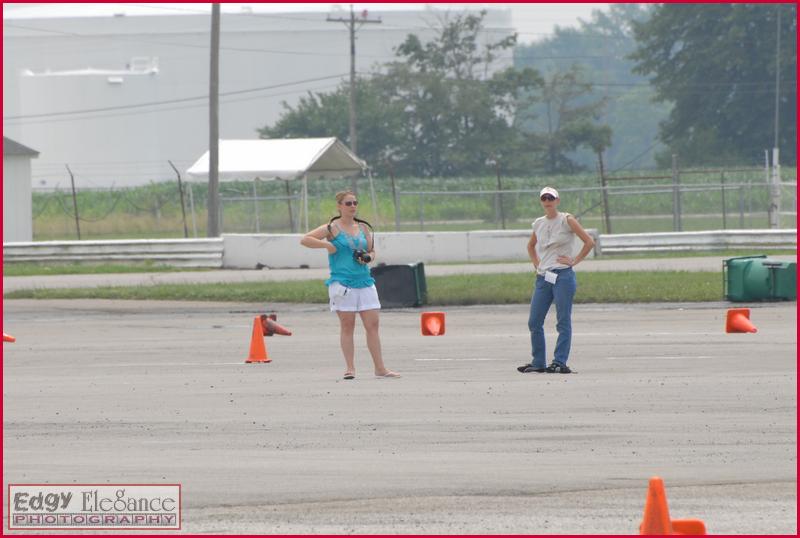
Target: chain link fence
(709, 199)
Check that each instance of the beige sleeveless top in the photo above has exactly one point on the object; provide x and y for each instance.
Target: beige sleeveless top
(554, 238)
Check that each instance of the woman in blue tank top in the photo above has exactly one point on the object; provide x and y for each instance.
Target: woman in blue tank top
(351, 288)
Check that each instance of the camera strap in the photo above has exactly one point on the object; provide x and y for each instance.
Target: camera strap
(368, 234)
(352, 242)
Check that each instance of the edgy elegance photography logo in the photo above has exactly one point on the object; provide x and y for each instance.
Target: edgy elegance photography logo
(94, 506)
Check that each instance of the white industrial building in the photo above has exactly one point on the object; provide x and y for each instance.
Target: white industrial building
(119, 95)
(17, 221)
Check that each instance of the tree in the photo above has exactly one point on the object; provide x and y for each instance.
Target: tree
(326, 114)
(600, 47)
(457, 116)
(442, 108)
(716, 63)
(569, 122)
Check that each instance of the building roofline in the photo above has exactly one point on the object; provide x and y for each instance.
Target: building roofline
(12, 147)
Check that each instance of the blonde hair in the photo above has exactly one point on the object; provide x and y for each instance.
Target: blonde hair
(341, 195)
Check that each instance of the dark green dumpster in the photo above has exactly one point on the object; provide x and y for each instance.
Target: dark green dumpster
(757, 278)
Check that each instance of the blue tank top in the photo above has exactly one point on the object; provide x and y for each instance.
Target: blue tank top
(344, 268)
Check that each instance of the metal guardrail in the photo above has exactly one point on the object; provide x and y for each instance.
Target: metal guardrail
(694, 241)
(172, 252)
(209, 252)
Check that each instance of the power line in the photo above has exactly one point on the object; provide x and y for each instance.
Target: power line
(285, 52)
(168, 101)
(171, 109)
(761, 87)
(175, 44)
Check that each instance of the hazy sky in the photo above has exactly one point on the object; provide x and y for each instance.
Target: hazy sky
(533, 21)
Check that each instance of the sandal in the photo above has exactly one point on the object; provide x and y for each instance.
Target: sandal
(349, 375)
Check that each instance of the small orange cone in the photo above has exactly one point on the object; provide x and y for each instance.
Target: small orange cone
(270, 326)
(432, 323)
(8, 338)
(258, 350)
(656, 519)
(656, 514)
(738, 321)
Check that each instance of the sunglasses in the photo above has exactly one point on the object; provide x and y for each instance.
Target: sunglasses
(548, 198)
(350, 203)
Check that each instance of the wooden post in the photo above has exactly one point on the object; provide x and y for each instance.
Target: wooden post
(499, 195)
(676, 195)
(394, 196)
(724, 216)
(292, 225)
(604, 185)
(74, 203)
(180, 193)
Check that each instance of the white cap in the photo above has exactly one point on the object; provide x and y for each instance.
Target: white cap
(548, 190)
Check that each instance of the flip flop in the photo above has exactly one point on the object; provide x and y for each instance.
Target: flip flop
(388, 375)
(348, 375)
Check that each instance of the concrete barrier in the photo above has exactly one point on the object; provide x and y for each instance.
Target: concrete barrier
(698, 241)
(249, 251)
(173, 252)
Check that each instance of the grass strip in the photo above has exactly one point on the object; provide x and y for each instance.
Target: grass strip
(505, 288)
(37, 269)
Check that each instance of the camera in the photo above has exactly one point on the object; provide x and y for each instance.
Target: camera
(362, 255)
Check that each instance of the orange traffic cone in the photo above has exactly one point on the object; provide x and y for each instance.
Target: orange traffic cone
(8, 338)
(656, 519)
(270, 326)
(738, 321)
(432, 323)
(258, 350)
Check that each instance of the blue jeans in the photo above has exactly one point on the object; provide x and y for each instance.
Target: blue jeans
(562, 292)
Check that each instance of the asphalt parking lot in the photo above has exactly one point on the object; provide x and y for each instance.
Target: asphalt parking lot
(136, 392)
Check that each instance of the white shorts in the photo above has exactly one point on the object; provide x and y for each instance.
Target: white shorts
(346, 299)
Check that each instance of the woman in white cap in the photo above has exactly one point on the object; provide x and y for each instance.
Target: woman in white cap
(550, 250)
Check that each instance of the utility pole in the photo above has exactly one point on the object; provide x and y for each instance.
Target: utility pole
(213, 128)
(777, 72)
(351, 22)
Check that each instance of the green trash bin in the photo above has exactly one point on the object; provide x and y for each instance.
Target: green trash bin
(757, 278)
(784, 279)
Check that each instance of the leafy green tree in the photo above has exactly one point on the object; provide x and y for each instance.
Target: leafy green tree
(327, 114)
(442, 108)
(457, 117)
(599, 48)
(568, 122)
(716, 63)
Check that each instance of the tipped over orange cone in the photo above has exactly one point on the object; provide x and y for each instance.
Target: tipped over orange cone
(258, 350)
(8, 338)
(432, 323)
(656, 519)
(738, 321)
(270, 326)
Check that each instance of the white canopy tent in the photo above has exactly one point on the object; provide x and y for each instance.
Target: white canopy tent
(285, 159)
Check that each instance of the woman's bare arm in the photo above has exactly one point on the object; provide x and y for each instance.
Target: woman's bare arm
(317, 238)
